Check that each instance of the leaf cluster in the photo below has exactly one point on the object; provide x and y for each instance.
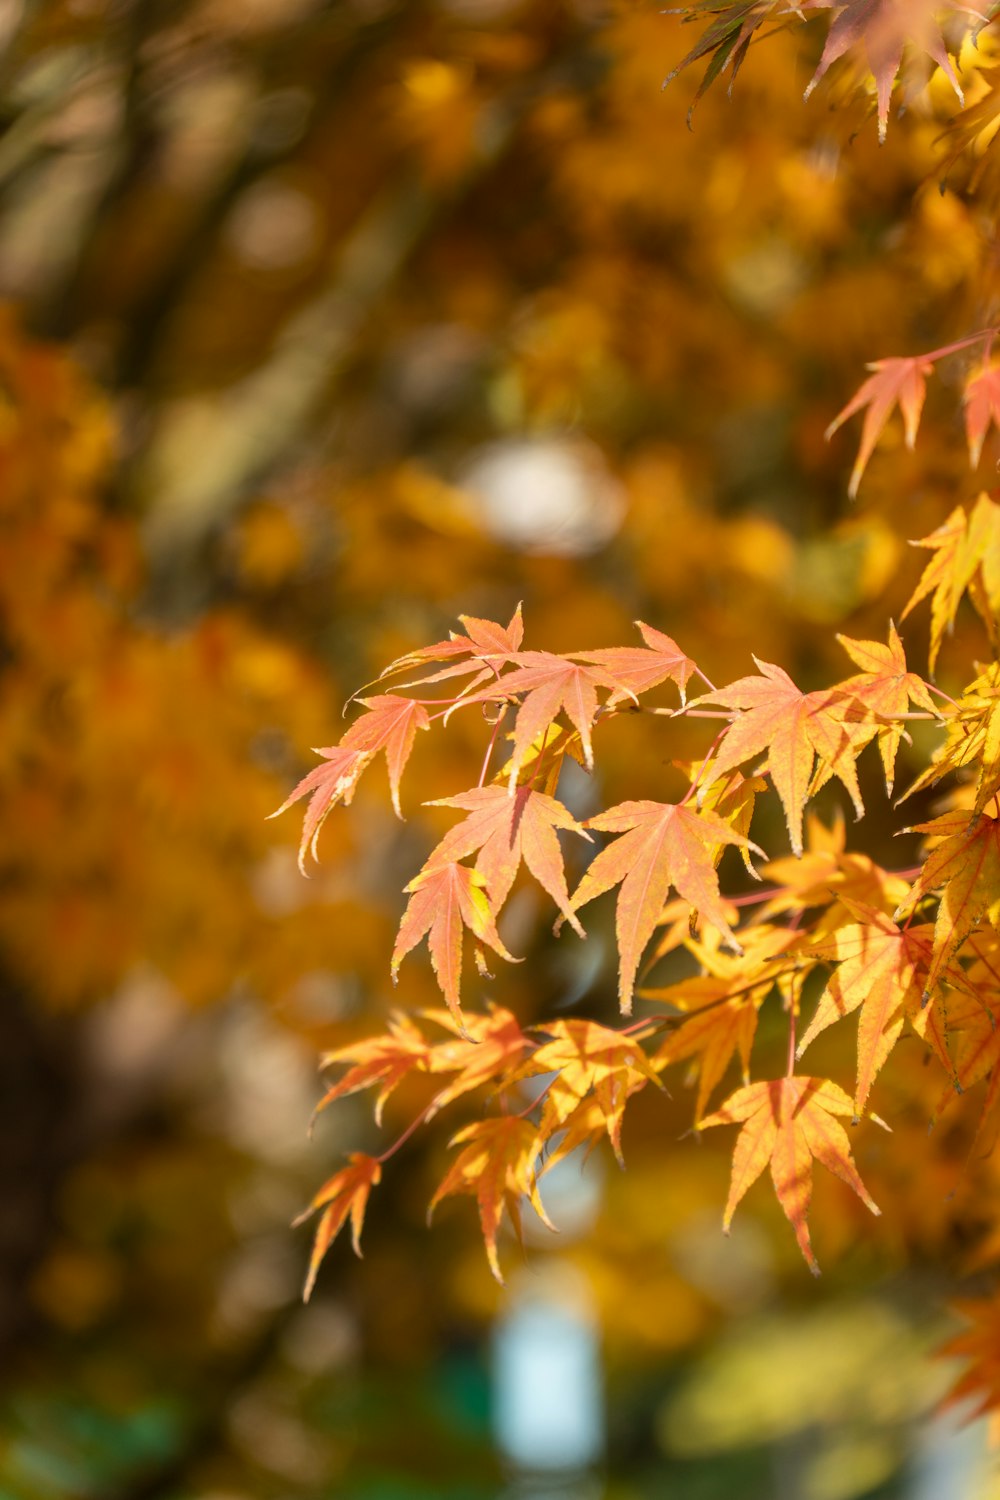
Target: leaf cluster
(913, 951)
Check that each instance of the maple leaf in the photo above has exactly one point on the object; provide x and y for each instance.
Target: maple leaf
(506, 830)
(969, 1047)
(485, 1049)
(884, 26)
(887, 688)
(443, 902)
(722, 1003)
(638, 669)
(982, 400)
(895, 380)
(390, 724)
(344, 1196)
(787, 1123)
(483, 650)
(588, 1057)
(978, 1346)
(973, 739)
(827, 868)
(732, 796)
(378, 1061)
(723, 1028)
(542, 765)
(583, 1129)
(662, 845)
(966, 557)
(968, 131)
(498, 1168)
(551, 684)
(794, 728)
(881, 968)
(965, 866)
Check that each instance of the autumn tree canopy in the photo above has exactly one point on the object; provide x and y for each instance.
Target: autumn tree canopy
(399, 358)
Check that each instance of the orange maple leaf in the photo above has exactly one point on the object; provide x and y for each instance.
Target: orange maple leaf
(485, 1049)
(662, 845)
(965, 867)
(344, 1196)
(979, 1346)
(390, 724)
(484, 650)
(638, 669)
(794, 728)
(550, 684)
(589, 1058)
(882, 971)
(722, 1026)
(443, 902)
(970, 1043)
(506, 830)
(378, 1061)
(899, 379)
(498, 1168)
(982, 401)
(828, 868)
(887, 687)
(787, 1123)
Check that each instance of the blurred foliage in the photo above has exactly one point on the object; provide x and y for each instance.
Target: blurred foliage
(328, 320)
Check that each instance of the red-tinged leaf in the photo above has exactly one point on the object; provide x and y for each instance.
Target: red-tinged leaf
(982, 406)
(443, 902)
(966, 557)
(787, 1124)
(344, 1196)
(662, 845)
(793, 728)
(507, 830)
(728, 38)
(887, 687)
(882, 968)
(325, 786)
(498, 1168)
(590, 1058)
(550, 685)
(484, 649)
(885, 27)
(489, 1052)
(894, 380)
(638, 669)
(391, 725)
(965, 868)
(378, 1061)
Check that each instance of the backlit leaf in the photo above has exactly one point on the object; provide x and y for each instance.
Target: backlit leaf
(786, 1125)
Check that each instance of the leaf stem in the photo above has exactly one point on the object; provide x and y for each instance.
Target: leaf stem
(489, 752)
(414, 1124)
(986, 334)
